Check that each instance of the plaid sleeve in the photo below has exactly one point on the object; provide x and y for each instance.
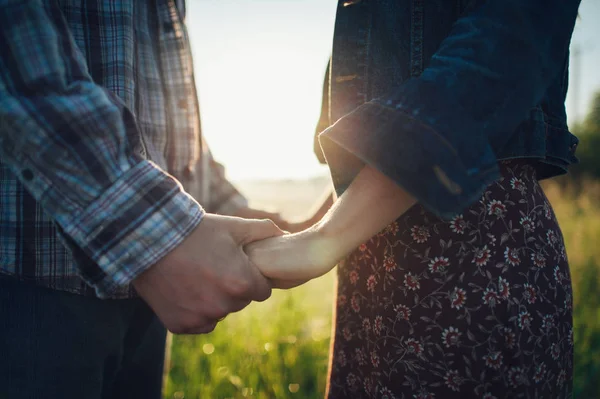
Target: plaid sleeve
(67, 140)
(207, 183)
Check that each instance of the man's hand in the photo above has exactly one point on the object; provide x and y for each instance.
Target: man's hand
(208, 276)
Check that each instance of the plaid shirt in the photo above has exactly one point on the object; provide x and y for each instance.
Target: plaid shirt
(97, 101)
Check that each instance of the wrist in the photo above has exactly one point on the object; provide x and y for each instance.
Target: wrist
(329, 242)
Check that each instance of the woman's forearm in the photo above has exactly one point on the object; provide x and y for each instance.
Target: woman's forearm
(371, 202)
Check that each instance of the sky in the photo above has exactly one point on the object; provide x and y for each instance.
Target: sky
(259, 70)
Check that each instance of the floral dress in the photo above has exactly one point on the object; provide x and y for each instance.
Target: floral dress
(476, 307)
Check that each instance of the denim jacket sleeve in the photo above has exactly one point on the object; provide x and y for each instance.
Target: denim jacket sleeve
(432, 134)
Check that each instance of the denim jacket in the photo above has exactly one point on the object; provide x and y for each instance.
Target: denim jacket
(433, 93)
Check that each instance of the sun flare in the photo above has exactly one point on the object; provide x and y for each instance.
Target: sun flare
(260, 88)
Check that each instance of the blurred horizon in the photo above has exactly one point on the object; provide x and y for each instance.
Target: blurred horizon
(259, 69)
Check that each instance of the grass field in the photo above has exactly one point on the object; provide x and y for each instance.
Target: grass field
(279, 349)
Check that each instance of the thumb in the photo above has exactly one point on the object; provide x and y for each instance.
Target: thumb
(254, 230)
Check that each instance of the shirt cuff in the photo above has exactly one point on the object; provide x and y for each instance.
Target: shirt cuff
(409, 152)
(135, 222)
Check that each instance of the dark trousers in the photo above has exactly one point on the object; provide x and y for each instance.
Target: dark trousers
(59, 345)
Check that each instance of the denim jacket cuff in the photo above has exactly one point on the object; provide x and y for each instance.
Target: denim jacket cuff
(409, 152)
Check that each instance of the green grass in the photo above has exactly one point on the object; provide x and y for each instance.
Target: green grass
(579, 216)
(279, 348)
(275, 349)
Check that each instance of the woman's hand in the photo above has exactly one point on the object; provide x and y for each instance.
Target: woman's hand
(293, 259)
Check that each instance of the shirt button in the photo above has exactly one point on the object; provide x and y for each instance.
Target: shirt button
(27, 174)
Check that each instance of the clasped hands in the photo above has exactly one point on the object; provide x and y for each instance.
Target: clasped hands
(226, 263)
(289, 260)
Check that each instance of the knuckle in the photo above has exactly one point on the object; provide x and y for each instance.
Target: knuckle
(179, 328)
(176, 329)
(191, 323)
(216, 312)
(187, 324)
(239, 286)
(263, 295)
(210, 273)
(207, 328)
